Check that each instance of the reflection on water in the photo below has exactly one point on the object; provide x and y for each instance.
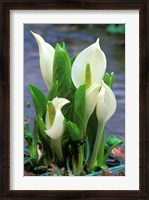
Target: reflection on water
(77, 37)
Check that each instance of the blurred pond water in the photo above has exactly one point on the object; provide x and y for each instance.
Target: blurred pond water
(77, 37)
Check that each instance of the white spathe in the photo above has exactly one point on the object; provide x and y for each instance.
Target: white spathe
(95, 57)
(105, 108)
(57, 129)
(106, 104)
(46, 53)
(91, 100)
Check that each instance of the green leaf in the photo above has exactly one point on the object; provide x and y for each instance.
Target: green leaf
(73, 59)
(63, 46)
(53, 92)
(112, 142)
(112, 139)
(109, 79)
(79, 108)
(74, 132)
(62, 72)
(39, 100)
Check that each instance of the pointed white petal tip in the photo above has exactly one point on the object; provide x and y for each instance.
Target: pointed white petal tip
(37, 37)
(34, 34)
(97, 41)
(97, 44)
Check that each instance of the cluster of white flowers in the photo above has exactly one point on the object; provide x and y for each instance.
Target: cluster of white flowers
(88, 68)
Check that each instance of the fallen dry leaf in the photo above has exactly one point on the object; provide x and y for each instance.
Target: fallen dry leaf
(52, 168)
(118, 152)
(106, 173)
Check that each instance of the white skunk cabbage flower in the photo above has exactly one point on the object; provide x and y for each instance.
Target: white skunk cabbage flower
(55, 118)
(46, 53)
(106, 104)
(89, 68)
(55, 123)
(105, 108)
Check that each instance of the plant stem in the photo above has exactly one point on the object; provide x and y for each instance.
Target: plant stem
(100, 156)
(80, 157)
(96, 144)
(74, 165)
(77, 160)
(58, 149)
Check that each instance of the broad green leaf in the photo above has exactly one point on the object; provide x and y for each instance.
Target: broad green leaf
(112, 142)
(109, 79)
(112, 139)
(53, 92)
(79, 108)
(46, 142)
(74, 132)
(62, 72)
(39, 100)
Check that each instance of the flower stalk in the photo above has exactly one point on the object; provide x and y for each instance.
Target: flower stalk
(97, 144)
(58, 149)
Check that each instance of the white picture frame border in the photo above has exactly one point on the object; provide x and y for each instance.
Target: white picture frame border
(131, 20)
